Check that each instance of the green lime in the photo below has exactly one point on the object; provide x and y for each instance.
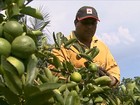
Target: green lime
(5, 47)
(12, 29)
(76, 77)
(23, 46)
(93, 67)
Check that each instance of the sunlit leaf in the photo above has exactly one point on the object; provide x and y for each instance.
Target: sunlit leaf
(31, 12)
(32, 70)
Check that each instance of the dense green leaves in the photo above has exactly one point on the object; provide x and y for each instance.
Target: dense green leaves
(12, 80)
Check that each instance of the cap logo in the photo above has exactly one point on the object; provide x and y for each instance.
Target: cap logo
(89, 11)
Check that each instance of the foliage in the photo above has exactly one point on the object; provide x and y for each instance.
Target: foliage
(93, 89)
(37, 84)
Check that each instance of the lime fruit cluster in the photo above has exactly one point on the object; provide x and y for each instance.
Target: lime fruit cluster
(15, 44)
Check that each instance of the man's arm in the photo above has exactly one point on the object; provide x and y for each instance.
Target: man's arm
(103, 72)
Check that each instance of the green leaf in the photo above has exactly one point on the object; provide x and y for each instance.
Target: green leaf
(12, 98)
(94, 52)
(48, 73)
(36, 97)
(37, 32)
(55, 40)
(44, 25)
(68, 66)
(2, 5)
(8, 2)
(13, 10)
(67, 86)
(40, 95)
(2, 86)
(64, 39)
(30, 90)
(70, 42)
(48, 86)
(130, 87)
(7, 66)
(72, 98)
(58, 96)
(40, 99)
(78, 47)
(56, 62)
(91, 50)
(11, 78)
(32, 12)
(13, 82)
(59, 38)
(85, 56)
(20, 3)
(43, 78)
(112, 100)
(32, 70)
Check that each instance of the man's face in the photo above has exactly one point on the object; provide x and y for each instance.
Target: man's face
(86, 27)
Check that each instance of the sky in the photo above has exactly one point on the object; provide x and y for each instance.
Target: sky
(118, 27)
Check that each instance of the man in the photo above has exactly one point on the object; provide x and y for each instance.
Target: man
(85, 27)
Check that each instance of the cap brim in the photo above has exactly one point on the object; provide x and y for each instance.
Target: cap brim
(88, 17)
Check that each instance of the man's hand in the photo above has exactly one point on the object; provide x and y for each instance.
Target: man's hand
(103, 72)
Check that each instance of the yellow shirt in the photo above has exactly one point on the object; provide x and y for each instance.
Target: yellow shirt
(103, 59)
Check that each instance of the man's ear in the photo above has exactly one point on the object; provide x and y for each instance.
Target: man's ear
(75, 21)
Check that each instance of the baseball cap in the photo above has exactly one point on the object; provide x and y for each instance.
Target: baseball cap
(87, 12)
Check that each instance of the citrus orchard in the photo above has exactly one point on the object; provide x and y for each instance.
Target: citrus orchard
(23, 46)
